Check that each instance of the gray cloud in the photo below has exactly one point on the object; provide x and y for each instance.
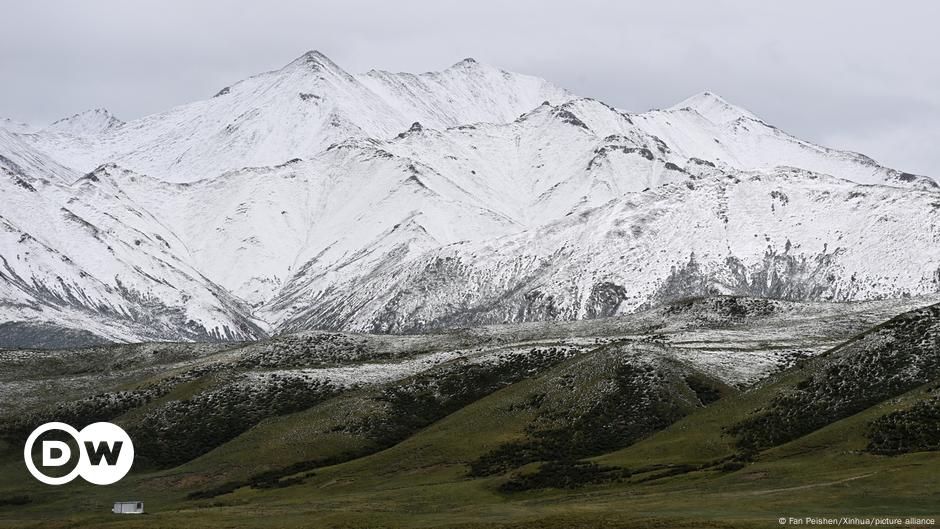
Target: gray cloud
(859, 75)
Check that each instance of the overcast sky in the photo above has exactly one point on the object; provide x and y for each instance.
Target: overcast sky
(859, 75)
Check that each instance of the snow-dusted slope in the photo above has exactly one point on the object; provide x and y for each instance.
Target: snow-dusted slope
(309, 197)
(354, 201)
(786, 234)
(22, 159)
(85, 256)
(15, 126)
(548, 162)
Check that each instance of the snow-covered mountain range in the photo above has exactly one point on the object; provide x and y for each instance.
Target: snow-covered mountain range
(308, 197)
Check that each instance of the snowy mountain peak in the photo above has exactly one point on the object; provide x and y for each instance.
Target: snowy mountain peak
(714, 108)
(315, 63)
(86, 123)
(313, 58)
(469, 62)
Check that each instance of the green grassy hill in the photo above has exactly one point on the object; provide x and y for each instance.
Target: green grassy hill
(641, 421)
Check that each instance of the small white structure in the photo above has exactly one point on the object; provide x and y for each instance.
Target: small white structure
(128, 507)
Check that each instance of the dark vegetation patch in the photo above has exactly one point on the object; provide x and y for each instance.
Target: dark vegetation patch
(571, 474)
(78, 413)
(410, 405)
(17, 335)
(171, 432)
(274, 478)
(793, 358)
(916, 429)
(728, 310)
(565, 474)
(780, 275)
(308, 350)
(428, 397)
(892, 359)
(105, 406)
(604, 300)
(16, 499)
(639, 401)
(672, 470)
(706, 390)
(183, 430)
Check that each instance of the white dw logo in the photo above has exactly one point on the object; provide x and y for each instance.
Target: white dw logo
(105, 453)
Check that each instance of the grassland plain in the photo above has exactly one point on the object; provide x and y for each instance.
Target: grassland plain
(640, 421)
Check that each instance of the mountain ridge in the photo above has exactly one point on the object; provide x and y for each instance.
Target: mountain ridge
(308, 197)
